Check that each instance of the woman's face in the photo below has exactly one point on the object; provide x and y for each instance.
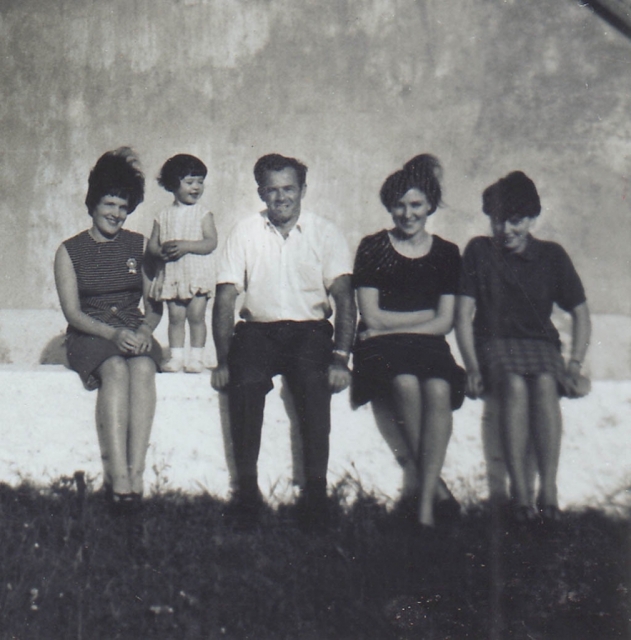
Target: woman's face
(410, 212)
(513, 233)
(109, 216)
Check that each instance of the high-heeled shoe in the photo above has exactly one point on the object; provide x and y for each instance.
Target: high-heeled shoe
(125, 504)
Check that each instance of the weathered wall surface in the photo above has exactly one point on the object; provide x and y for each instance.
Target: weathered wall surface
(354, 88)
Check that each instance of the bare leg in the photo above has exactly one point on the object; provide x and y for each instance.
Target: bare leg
(394, 435)
(435, 434)
(196, 316)
(112, 416)
(177, 323)
(546, 430)
(514, 417)
(497, 474)
(142, 391)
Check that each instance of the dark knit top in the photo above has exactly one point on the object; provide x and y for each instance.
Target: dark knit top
(514, 292)
(109, 277)
(407, 284)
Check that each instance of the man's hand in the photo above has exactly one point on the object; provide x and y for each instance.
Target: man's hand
(339, 377)
(220, 377)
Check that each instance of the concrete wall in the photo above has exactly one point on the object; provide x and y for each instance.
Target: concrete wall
(354, 88)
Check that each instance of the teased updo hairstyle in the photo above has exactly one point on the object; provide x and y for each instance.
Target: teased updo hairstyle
(177, 168)
(422, 172)
(276, 162)
(116, 173)
(513, 196)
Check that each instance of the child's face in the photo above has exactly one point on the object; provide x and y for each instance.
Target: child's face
(190, 190)
(512, 233)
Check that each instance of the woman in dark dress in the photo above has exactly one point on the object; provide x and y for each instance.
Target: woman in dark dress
(406, 282)
(101, 276)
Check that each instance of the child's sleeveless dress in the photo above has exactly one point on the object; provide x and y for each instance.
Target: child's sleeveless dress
(192, 274)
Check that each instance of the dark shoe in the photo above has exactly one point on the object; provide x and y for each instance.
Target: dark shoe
(243, 511)
(524, 517)
(125, 504)
(447, 512)
(312, 510)
(551, 515)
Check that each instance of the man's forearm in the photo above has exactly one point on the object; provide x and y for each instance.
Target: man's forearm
(223, 321)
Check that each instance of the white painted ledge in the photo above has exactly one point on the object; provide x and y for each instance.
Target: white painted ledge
(47, 430)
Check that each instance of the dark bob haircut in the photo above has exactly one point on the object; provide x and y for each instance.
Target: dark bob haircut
(421, 172)
(276, 162)
(513, 196)
(116, 173)
(177, 168)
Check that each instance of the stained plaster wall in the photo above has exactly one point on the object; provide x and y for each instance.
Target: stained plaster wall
(354, 88)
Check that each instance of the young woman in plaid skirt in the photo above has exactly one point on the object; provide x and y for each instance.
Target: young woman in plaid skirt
(511, 349)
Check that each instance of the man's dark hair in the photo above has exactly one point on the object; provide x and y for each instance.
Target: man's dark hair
(276, 162)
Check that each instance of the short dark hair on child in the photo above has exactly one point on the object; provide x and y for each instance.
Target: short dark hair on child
(422, 172)
(276, 162)
(513, 196)
(177, 168)
(116, 173)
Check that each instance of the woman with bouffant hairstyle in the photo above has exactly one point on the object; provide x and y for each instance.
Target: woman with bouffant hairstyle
(406, 281)
(101, 276)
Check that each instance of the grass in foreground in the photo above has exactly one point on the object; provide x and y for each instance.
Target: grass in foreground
(70, 570)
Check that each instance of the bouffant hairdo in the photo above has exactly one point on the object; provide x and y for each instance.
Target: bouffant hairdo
(513, 196)
(276, 162)
(177, 168)
(116, 173)
(422, 172)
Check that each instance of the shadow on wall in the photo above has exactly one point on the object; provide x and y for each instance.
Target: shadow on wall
(55, 352)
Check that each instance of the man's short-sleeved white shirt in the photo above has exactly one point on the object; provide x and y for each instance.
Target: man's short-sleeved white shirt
(284, 278)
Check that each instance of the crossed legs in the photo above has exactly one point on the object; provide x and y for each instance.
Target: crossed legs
(418, 435)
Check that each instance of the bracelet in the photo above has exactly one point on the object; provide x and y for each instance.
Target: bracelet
(575, 361)
(342, 354)
(144, 323)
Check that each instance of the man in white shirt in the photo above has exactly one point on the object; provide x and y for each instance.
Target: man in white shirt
(289, 263)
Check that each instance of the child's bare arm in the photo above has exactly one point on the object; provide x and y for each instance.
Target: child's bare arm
(175, 249)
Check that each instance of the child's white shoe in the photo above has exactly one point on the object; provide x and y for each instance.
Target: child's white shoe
(195, 362)
(175, 362)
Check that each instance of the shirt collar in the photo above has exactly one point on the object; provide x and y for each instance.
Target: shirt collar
(529, 254)
(303, 220)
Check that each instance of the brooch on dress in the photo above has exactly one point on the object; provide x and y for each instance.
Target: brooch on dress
(132, 266)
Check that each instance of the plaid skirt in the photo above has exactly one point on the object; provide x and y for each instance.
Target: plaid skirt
(523, 356)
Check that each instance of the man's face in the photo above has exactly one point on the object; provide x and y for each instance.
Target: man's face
(282, 194)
